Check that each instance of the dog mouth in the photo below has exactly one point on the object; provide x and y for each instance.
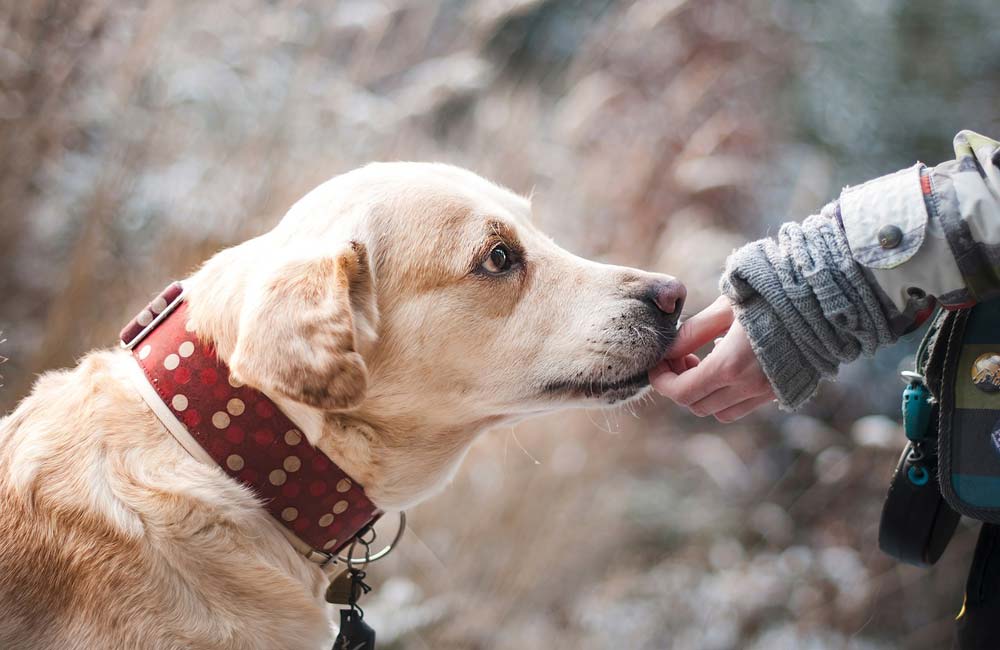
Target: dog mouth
(606, 383)
(617, 390)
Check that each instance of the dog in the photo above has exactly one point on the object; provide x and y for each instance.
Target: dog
(395, 313)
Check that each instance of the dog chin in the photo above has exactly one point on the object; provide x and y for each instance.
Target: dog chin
(624, 391)
(622, 395)
(607, 392)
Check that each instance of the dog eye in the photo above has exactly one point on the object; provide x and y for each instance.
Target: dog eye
(499, 259)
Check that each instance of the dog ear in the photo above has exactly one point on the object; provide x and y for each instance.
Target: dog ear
(300, 326)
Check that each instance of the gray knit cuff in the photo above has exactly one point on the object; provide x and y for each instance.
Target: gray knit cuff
(792, 377)
(805, 304)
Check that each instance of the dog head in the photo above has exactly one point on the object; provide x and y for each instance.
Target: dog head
(402, 308)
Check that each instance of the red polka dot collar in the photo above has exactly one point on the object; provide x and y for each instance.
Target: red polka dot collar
(220, 421)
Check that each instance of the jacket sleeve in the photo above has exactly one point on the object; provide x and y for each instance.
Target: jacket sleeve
(930, 231)
(869, 267)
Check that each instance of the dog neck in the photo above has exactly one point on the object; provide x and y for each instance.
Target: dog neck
(396, 456)
(220, 421)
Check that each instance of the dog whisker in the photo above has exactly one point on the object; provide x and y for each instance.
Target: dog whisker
(527, 453)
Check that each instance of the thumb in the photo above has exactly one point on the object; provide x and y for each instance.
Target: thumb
(702, 328)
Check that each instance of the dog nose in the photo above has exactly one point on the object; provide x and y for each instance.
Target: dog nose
(667, 295)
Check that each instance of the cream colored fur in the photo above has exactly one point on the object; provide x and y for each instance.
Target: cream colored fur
(367, 316)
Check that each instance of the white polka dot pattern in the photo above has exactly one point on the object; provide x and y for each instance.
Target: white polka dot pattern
(179, 402)
(249, 437)
(235, 406)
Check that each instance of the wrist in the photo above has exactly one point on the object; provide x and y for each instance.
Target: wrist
(792, 377)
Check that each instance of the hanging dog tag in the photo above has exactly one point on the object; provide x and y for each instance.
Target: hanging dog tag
(347, 588)
(355, 634)
(342, 590)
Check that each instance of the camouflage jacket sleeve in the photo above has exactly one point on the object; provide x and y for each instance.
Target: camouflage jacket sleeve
(869, 267)
(925, 234)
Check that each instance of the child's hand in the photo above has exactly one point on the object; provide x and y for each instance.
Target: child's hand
(728, 383)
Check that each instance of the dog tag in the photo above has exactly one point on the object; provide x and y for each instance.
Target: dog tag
(355, 634)
(342, 590)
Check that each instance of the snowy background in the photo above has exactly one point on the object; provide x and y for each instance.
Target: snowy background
(140, 137)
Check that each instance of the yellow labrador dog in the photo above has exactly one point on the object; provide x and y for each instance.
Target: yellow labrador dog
(394, 314)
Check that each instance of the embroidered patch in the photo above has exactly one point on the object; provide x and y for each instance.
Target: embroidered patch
(986, 372)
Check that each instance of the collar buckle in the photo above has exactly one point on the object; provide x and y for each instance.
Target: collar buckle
(152, 315)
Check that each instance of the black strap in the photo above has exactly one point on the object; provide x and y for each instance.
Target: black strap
(933, 348)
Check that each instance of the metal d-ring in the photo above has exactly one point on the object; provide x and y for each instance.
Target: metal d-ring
(362, 561)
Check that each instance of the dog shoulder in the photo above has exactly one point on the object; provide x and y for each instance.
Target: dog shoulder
(107, 526)
(56, 549)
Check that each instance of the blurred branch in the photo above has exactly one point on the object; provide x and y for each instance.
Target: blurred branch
(3, 359)
(126, 154)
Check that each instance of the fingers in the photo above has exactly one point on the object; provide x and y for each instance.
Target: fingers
(682, 364)
(721, 400)
(728, 383)
(703, 327)
(744, 408)
(688, 387)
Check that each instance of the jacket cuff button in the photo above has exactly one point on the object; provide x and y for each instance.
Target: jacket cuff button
(890, 237)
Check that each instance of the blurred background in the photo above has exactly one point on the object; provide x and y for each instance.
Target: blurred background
(140, 137)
